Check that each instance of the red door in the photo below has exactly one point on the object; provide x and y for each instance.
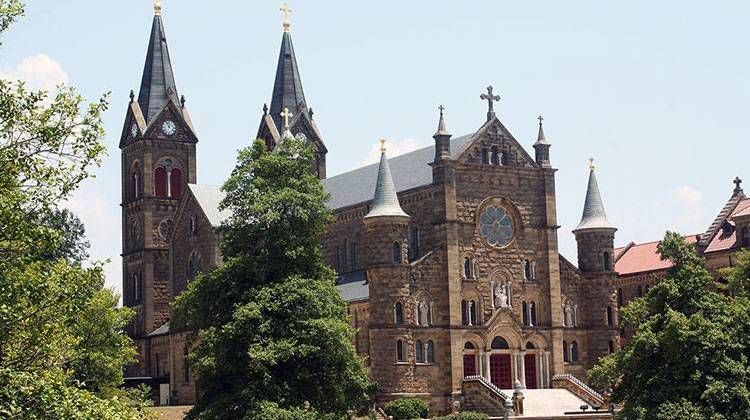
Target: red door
(530, 370)
(470, 365)
(500, 371)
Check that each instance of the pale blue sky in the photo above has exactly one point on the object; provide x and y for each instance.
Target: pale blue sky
(657, 92)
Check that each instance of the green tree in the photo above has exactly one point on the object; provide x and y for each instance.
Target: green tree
(272, 327)
(61, 339)
(738, 277)
(689, 355)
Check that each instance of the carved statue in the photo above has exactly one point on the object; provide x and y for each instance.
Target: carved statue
(423, 312)
(568, 308)
(501, 295)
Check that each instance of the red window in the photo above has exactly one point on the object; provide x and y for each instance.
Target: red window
(160, 182)
(470, 365)
(175, 183)
(500, 371)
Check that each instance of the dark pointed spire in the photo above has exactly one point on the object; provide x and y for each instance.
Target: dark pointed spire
(385, 202)
(441, 130)
(540, 139)
(541, 147)
(157, 84)
(287, 87)
(442, 138)
(594, 216)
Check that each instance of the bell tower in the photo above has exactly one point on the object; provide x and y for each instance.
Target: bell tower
(157, 147)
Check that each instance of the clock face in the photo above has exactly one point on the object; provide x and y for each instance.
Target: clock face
(133, 131)
(168, 128)
(496, 226)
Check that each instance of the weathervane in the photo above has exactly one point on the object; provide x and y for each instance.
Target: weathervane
(490, 98)
(286, 10)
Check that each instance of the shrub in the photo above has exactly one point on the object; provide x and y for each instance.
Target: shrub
(466, 415)
(406, 408)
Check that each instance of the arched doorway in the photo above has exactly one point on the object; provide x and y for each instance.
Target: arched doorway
(500, 365)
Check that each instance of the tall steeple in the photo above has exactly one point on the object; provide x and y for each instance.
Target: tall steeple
(442, 138)
(287, 87)
(541, 147)
(157, 84)
(385, 202)
(594, 216)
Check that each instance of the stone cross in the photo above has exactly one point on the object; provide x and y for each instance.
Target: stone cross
(490, 98)
(540, 118)
(441, 108)
(737, 182)
(382, 145)
(286, 115)
(286, 10)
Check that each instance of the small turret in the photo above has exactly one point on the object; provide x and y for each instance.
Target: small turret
(541, 147)
(442, 138)
(594, 234)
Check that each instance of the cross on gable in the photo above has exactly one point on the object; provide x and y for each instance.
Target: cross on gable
(490, 98)
(286, 115)
(737, 182)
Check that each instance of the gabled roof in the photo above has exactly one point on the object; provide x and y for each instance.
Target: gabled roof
(410, 170)
(157, 83)
(353, 286)
(726, 212)
(725, 239)
(208, 198)
(642, 258)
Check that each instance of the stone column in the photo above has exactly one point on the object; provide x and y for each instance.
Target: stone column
(547, 376)
(487, 366)
(480, 359)
(522, 367)
(514, 367)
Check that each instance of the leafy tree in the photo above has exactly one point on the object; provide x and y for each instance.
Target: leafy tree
(738, 277)
(61, 339)
(272, 327)
(689, 355)
(406, 409)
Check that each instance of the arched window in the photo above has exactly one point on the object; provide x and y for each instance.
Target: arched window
(473, 312)
(499, 343)
(430, 352)
(469, 345)
(396, 253)
(185, 366)
(195, 265)
(610, 317)
(464, 312)
(530, 345)
(399, 350)
(338, 259)
(346, 254)
(495, 159)
(354, 255)
(468, 268)
(175, 183)
(611, 346)
(399, 313)
(414, 242)
(566, 358)
(193, 225)
(639, 291)
(134, 180)
(574, 352)
(160, 182)
(525, 310)
(532, 310)
(620, 298)
(527, 270)
(485, 156)
(607, 262)
(418, 350)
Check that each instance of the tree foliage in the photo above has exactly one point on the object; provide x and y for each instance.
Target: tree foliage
(689, 355)
(272, 327)
(62, 345)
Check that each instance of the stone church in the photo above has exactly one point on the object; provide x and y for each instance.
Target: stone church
(447, 256)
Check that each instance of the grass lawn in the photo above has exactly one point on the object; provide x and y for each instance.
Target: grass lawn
(172, 413)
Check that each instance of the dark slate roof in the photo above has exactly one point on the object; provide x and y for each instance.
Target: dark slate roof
(594, 216)
(353, 286)
(409, 171)
(287, 87)
(164, 329)
(157, 84)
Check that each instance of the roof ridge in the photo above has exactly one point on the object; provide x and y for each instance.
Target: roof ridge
(725, 212)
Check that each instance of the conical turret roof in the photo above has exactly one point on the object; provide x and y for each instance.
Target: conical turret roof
(594, 216)
(385, 202)
(287, 86)
(157, 83)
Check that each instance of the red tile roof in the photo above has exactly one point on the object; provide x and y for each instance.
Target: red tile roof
(642, 258)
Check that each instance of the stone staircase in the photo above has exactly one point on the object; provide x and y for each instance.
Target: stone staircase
(483, 396)
(579, 389)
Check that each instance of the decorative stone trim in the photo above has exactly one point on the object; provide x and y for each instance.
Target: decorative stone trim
(578, 387)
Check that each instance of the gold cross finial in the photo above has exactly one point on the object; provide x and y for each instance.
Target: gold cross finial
(591, 164)
(286, 10)
(286, 115)
(382, 145)
(157, 7)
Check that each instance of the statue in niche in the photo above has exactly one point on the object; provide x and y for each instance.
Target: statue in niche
(502, 295)
(568, 309)
(423, 312)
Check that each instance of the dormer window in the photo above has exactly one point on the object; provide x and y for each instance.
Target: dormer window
(727, 229)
